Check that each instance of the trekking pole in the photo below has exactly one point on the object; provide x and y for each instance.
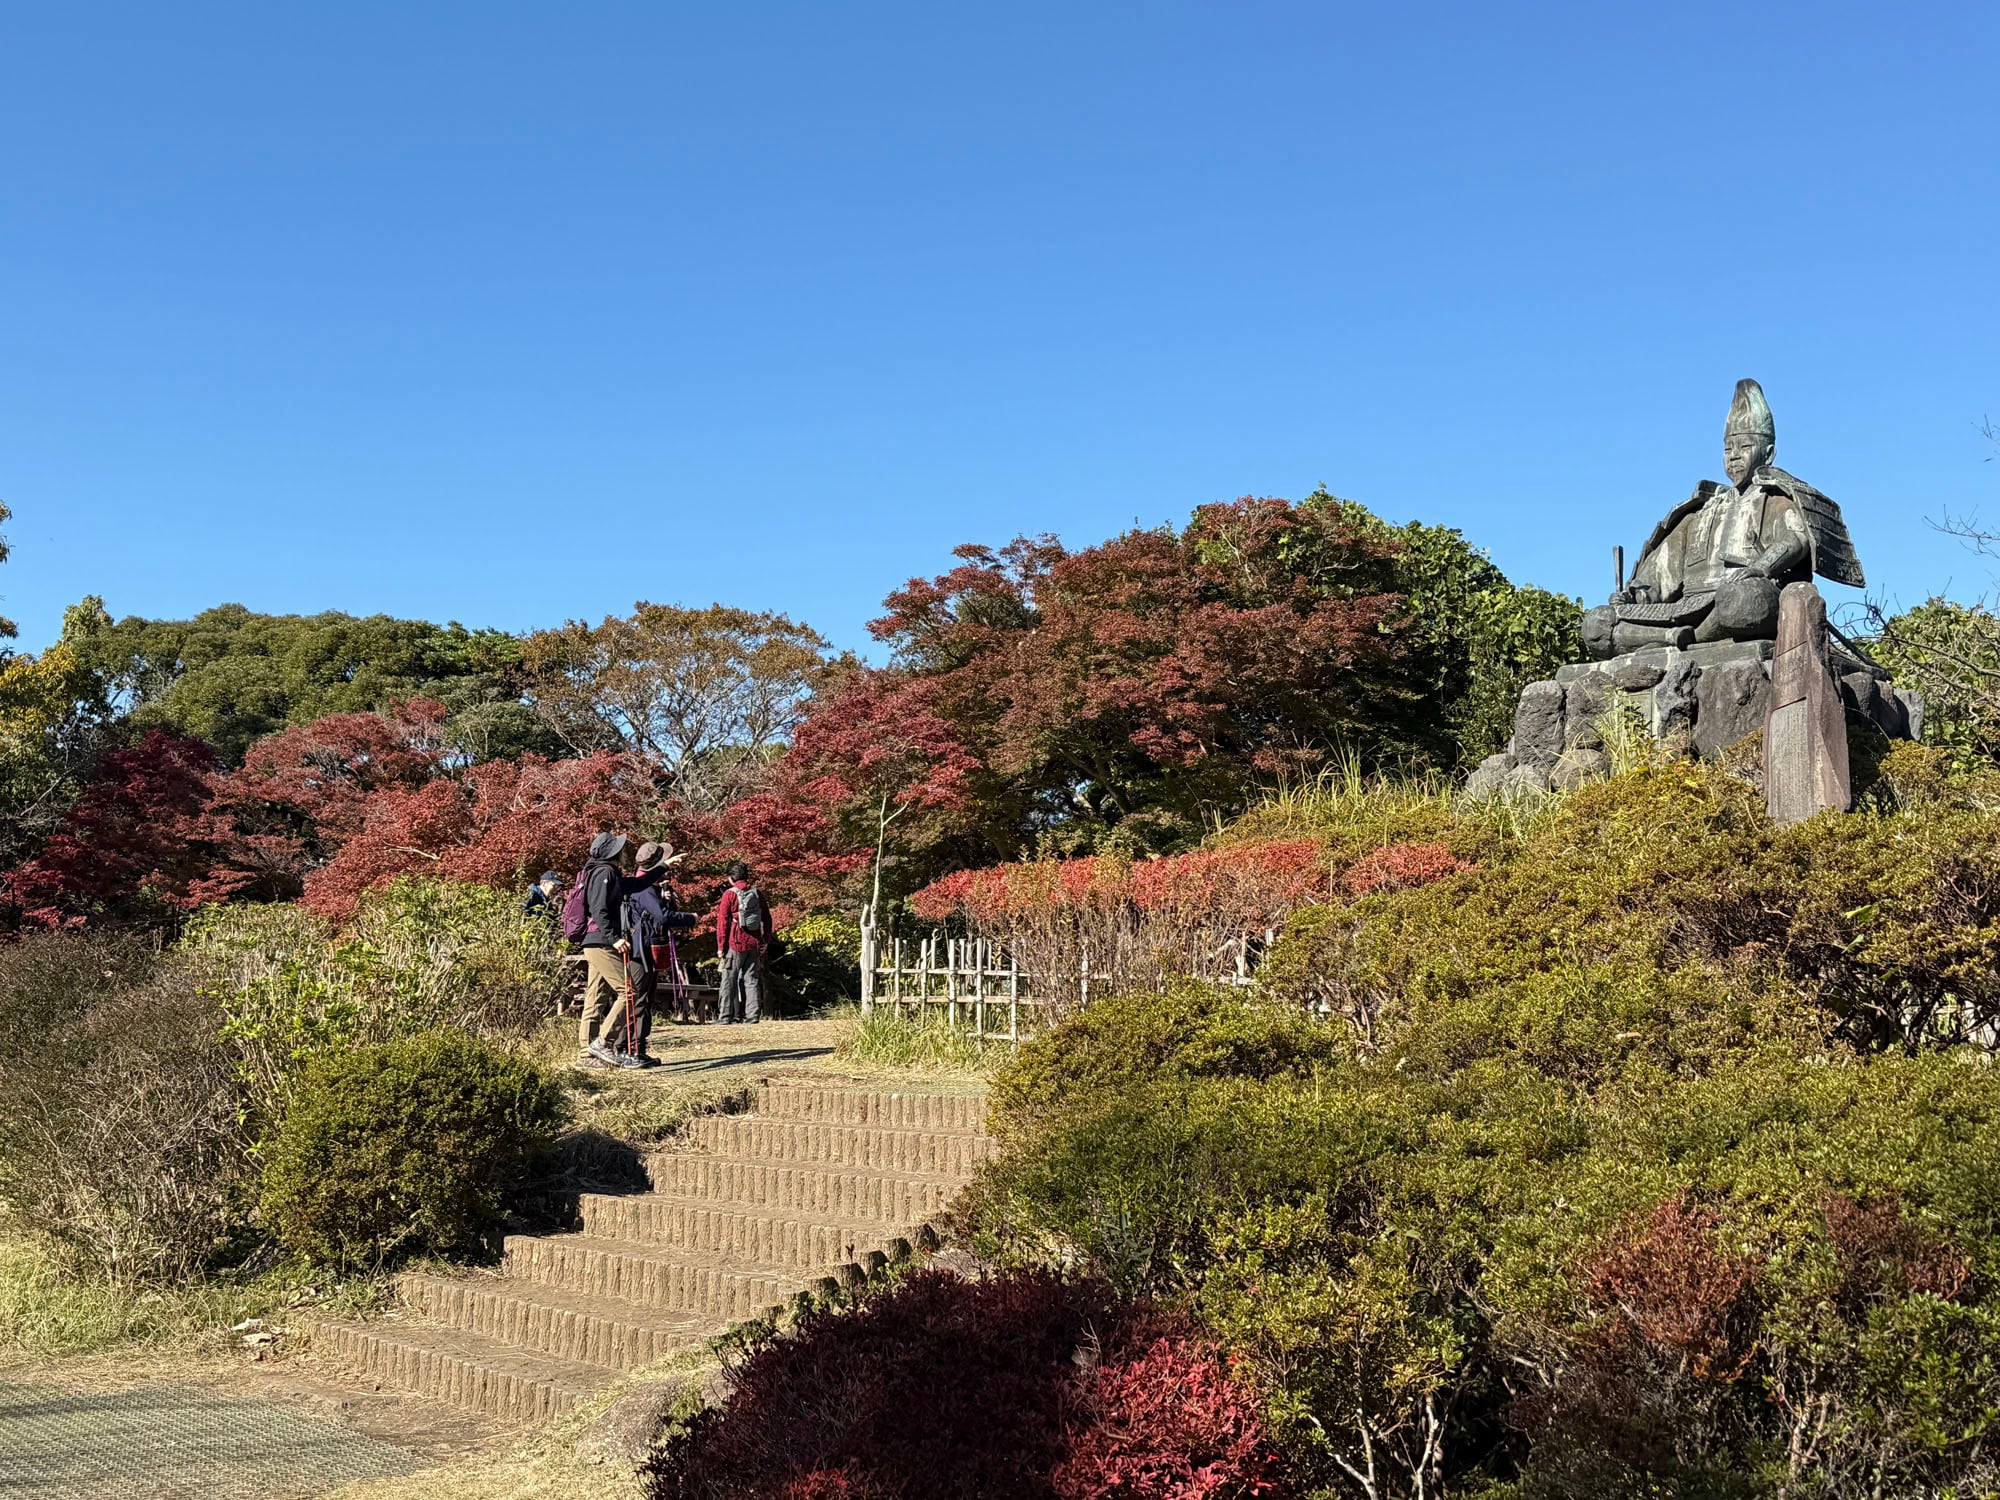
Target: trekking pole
(678, 979)
(631, 1015)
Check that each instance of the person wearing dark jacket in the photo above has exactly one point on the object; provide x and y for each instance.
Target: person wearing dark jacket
(742, 931)
(544, 899)
(650, 915)
(606, 946)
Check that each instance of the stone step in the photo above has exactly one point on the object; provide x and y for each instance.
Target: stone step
(847, 1194)
(465, 1369)
(802, 1143)
(541, 1319)
(654, 1277)
(893, 1109)
(748, 1236)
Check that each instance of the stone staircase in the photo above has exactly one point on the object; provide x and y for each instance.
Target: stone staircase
(818, 1184)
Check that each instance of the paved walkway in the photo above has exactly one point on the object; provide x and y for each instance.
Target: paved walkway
(175, 1442)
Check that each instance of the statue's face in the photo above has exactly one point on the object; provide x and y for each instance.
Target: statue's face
(1743, 454)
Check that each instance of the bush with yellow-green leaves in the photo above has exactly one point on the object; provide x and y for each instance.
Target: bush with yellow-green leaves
(1657, 1153)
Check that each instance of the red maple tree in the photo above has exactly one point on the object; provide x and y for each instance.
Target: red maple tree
(132, 842)
(871, 774)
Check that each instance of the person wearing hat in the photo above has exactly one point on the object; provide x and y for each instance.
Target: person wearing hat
(650, 914)
(544, 898)
(605, 945)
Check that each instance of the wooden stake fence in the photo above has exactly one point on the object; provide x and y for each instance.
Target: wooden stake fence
(972, 984)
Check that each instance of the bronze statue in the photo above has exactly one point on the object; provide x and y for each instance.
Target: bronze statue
(1712, 570)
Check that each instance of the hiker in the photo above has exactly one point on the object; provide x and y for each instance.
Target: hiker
(594, 914)
(650, 916)
(541, 900)
(742, 932)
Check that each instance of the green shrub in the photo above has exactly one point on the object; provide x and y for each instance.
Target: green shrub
(1882, 925)
(817, 963)
(419, 954)
(121, 1147)
(405, 1147)
(1648, 1158)
(1190, 1031)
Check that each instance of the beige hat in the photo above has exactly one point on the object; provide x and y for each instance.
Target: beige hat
(652, 855)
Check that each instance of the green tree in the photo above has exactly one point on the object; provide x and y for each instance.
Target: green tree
(230, 676)
(55, 719)
(1484, 638)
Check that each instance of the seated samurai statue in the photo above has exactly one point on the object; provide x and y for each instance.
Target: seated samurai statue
(1712, 569)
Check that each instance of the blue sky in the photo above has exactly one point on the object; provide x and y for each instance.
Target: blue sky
(513, 314)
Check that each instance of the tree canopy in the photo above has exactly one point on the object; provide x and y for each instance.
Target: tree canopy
(230, 676)
(1120, 696)
(706, 696)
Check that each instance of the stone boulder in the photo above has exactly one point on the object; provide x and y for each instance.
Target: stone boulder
(1731, 702)
(1538, 724)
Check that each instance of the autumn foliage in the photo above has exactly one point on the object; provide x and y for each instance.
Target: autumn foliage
(1017, 1386)
(125, 845)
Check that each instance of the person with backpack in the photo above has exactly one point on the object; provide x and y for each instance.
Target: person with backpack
(650, 915)
(742, 933)
(594, 915)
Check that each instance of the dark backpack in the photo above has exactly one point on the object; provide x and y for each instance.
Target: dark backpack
(576, 905)
(750, 912)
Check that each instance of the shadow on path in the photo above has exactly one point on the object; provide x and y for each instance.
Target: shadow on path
(667, 1068)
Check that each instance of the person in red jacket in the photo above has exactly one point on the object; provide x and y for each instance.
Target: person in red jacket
(742, 932)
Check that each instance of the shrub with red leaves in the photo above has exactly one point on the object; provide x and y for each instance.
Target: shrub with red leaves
(1169, 1424)
(1248, 885)
(1019, 1386)
(1676, 1292)
(129, 839)
(1883, 1255)
(1401, 867)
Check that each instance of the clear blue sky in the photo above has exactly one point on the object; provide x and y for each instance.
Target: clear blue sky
(510, 314)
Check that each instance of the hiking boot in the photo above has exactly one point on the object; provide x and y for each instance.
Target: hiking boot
(603, 1054)
(627, 1060)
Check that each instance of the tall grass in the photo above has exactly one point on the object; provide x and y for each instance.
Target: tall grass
(1341, 795)
(47, 1312)
(896, 1043)
(1356, 810)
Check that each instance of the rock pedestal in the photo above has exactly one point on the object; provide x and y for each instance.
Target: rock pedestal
(1704, 698)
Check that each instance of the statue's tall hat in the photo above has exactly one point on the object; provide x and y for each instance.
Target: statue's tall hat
(1750, 413)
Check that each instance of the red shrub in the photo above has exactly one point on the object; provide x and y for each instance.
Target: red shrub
(1401, 867)
(1169, 1424)
(962, 1390)
(1672, 1290)
(1250, 886)
(1882, 1254)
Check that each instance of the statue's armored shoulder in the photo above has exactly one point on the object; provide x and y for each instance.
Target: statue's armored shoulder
(1677, 515)
(1833, 549)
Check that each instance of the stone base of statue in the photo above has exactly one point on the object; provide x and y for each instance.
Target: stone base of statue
(1698, 698)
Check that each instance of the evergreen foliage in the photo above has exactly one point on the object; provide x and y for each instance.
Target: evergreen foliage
(405, 1147)
(231, 676)
(1654, 1154)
